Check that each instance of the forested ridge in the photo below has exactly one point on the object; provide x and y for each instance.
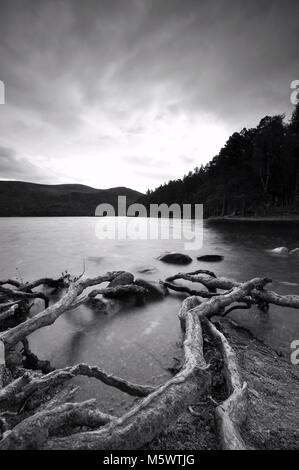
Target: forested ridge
(256, 173)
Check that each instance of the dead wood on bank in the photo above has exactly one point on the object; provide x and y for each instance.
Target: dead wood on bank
(51, 410)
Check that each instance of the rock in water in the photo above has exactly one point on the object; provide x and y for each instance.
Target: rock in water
(175, 258)
(281, 250)
(155, 289)
(211, 258)
(295, 251)
(122, 280)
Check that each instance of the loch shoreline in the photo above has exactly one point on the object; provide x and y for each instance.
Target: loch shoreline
(293, 219)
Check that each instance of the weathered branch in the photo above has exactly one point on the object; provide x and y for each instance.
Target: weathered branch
(216, 305)
(63, 281)
(230, 414)
(20, 389)
(18, 294)
(211, 282)
(187, 290)
(160, 406)
(34, 431)
(50, 314)
(246, 306)
(109, 379)
(155, 412)
(11, 282)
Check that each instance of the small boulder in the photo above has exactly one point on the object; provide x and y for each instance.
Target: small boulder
(155, 289)
(210, 258)
(295, 251)
(175, 258)
(122, 280)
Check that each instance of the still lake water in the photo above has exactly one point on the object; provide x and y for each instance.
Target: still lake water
(140, 343)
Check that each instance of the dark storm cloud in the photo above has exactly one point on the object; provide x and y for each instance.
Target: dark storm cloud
(233, 59)
(216, 55)
(105, 71)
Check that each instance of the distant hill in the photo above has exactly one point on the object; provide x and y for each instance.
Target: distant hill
(18, 198)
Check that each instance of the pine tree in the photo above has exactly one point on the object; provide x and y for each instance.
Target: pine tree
(294, 123)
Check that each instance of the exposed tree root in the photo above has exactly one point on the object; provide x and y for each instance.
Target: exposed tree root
(50, 314)
(20, 389)
(201, 293)
(11, 282)
(51, 422)
(18, 294)
(157, 410)
(257, 295)
(33, 432)
(230, 414)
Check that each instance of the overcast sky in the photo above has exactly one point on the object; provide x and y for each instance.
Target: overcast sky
(135, 92)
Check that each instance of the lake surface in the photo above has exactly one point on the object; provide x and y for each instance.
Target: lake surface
(140, 343)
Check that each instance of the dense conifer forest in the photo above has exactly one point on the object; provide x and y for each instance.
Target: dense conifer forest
(256, 173)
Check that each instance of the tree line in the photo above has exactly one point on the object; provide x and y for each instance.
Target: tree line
(255, 173)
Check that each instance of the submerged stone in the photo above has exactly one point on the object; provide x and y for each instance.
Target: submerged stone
(175, 258)
(211, 258)
(122, 280)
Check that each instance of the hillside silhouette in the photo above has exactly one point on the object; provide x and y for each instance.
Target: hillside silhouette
(19, 198)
